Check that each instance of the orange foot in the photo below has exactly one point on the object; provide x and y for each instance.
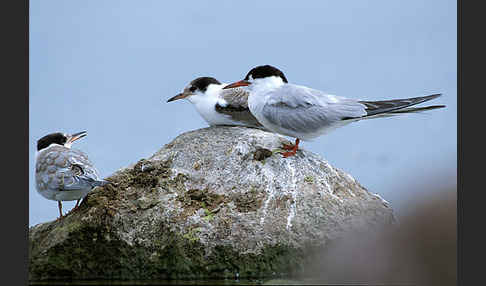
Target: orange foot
(292, 149)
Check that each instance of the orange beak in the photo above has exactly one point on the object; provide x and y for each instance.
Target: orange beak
(237, 84)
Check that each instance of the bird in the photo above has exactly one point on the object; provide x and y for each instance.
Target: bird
(304, 113)
(62, 173)
(218, 106)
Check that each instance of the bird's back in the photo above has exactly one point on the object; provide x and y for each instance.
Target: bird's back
(302, 112)
(62, 169)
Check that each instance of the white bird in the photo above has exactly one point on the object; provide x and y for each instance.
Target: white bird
(305, 113)
(62, 173)
(218, 106)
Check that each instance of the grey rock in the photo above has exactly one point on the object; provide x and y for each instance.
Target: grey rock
(212, 203)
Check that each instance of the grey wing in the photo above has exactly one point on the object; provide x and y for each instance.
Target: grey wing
(236, 106)
(301, 109)
(80, 172)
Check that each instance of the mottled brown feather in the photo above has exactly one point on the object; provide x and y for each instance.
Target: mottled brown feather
(237, 108)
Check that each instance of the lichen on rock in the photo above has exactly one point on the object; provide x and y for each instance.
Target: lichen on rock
(211, 203)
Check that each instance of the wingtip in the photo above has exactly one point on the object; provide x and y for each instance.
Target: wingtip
(435, 95)
(435, 106)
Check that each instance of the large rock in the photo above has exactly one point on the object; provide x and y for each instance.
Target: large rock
(212, 203)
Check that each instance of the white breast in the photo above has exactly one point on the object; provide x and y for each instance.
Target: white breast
(205, 105)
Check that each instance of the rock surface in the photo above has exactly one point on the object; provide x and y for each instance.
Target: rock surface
(212, 203)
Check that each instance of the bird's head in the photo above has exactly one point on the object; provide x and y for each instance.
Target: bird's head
(59, 138)
(265, 74)
(196, 88)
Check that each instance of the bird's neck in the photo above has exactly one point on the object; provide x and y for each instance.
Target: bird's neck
(207, 99)
(205, 102)
(267, 84)
(48, 148)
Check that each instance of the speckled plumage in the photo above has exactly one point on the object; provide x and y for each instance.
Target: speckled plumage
(234, 104)
(64, 174)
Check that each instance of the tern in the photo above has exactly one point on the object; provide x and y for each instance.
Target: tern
(305, 113)
(218, 106)
(62, 173)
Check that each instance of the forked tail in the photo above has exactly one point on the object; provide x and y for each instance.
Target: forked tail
(395, 106)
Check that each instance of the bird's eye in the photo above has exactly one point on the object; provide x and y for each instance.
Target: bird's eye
(192, 89)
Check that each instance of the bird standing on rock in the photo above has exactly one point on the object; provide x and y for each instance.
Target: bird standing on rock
(305, 113)
(218, 106)
(62, 173)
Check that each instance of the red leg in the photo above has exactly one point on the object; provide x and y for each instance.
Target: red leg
(289, 146)
(293, 149)
(76, 206)
(59, 204)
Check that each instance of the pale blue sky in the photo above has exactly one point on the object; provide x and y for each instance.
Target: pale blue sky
(108, 67)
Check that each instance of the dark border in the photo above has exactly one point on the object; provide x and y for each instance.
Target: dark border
(468, 21)
(15, 141)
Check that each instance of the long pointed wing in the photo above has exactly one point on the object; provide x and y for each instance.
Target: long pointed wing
(301, 109)
(395, 105)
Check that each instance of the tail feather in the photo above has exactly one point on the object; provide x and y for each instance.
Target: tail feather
(417, 109)
(398, 105)
(94, 182)
(100, 183)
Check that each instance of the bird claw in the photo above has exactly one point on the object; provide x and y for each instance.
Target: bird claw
(288, 146)
(291, 148)
(289, 154)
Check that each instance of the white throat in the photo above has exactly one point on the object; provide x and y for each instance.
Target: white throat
(205, 103)
(259, 90)
(266, 84)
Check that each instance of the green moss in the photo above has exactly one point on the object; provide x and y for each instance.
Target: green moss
(194, 199)
(309, 179)
(209, 215)
(88, 254)
(192, 234)
(91, 249)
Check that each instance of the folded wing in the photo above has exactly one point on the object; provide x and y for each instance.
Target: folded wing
(301, 109)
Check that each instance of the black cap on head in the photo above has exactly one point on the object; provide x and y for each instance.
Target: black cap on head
(202, 83)
(47, 140)
(265, 71)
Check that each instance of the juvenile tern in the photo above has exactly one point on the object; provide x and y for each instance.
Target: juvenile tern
(305, 113)
(62, 173)
(218, 106)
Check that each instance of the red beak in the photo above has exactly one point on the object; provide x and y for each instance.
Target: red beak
(237, 84)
